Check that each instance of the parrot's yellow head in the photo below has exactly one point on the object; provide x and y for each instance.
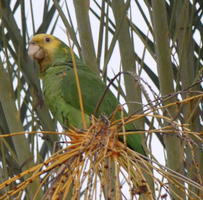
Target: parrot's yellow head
(47, 50)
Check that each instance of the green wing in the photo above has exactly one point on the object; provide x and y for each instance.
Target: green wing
(92, 89)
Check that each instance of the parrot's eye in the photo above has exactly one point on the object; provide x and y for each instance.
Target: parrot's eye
(47, 39)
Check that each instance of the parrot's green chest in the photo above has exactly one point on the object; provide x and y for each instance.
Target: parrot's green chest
(66, 114)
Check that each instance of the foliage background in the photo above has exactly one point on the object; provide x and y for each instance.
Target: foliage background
(164, 53)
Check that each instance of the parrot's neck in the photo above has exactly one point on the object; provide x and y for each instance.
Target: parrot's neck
(52, 62)
(54, 57)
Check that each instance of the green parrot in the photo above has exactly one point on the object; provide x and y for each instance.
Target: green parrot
(60, 89)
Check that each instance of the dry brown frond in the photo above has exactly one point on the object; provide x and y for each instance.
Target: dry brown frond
(85, 165)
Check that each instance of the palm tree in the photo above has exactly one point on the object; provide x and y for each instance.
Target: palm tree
(158, 70)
